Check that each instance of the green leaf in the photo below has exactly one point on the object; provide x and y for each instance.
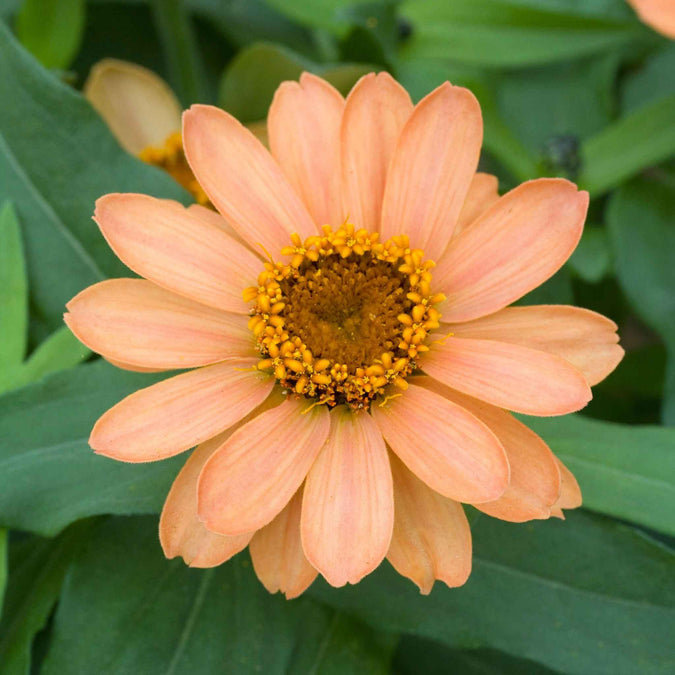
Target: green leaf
(3, 566)
(502, 33)
(56, 159)
(592, 259)
(51, 30)
(37, 567)
(641, 139)
(586, 595)
(651, 81)
(624, 471)
(13, 290)
(252, 77)
(640, 220)
(331, 15)
(125, 609)
(49, 476)
(416, 655)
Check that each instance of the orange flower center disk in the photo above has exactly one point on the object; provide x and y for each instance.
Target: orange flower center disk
(170, 157)
(346, 318)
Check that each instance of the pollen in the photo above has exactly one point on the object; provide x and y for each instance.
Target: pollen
(344, 320)
(170, 157)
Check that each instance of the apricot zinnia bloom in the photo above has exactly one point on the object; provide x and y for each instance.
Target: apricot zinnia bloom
(346, 394)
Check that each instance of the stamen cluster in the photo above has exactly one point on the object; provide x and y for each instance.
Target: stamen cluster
(346, 317)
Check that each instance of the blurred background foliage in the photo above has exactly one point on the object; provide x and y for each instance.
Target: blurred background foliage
(573, 88)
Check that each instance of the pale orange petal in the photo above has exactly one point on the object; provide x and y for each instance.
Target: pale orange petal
(132, 368)
(250, 478)
(163, 242)
(586, 339)
(138, 106)
(377, 109)
(659, 14)
(348, 507)
(483, 193)
(432, 168)
(180, 412)
(277, 555)
(304, 134)
(535, 479)
(509, 376)
(432, 538)
(518, 243)
(446, 446)
(180, 532)
(214, 218)
(570, 493)
(242, 180)
(133, 321)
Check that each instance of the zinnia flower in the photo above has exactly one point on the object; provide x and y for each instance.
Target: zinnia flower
(346, 319)
(659, 14)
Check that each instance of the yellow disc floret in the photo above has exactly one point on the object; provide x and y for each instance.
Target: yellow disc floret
(344, 320)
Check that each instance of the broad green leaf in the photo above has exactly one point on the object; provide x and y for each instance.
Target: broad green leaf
(641, 139)
(512, 32)
(592, 259)
(640, 220)
(51, 30)
(417, 655)
(624, 471)
(125, 609)
(331, 15)
(13, 291)
(3, 566)
(56, 159)
(585, 595)
(49, 476)
(253, 76)
(36, 567)
(651, 81)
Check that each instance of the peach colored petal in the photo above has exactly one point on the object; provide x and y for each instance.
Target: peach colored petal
(250, 478)
(180, 412)
(432, 538)
(509, 376)
(138, 106)
(242, 180)
(514, 246)
(483, 193)
(659, 14)
(570, 493)
(165, 243)
(277, 555)
(132, 368)
(348, 506)
(135, 322)
(304, 134)
(432, 168)
(214, 218)
(444, 445)
(377, 109)
(180, 532)
(586, 339)
(535, 479)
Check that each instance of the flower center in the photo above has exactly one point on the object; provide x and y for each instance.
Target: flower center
(170, 157)
(346, 317)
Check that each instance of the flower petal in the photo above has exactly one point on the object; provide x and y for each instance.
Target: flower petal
(180, 531)
(277, 555)
(348, 506)
(377, 109)
(535, 479)
(431, 169)
(444, 445)
(304, 134)
(250, 478)
(518, 243)
(242, 180)
(180, 412)
(165, 243)
(138, 106)
(483, 193)
(570, 493)
(509, 376)
(133, 321)
(432, 538)
(586, 339)
(214, 218)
